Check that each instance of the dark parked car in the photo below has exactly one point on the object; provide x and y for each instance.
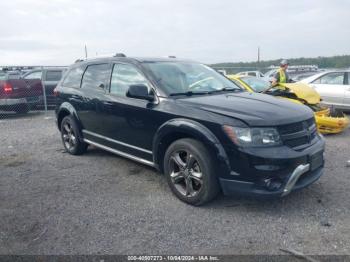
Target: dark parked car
(21, 93)
(191, 123)
(49, 78)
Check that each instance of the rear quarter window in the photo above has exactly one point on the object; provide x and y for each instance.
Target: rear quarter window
(73, 77)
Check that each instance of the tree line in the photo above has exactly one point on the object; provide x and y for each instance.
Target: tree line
(342, 61)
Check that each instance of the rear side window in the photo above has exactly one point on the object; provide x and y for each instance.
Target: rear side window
(53, 75)
(73, 78)
(95, 76)
(331, 79)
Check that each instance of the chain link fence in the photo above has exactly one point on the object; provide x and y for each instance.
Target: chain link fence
(28, 90)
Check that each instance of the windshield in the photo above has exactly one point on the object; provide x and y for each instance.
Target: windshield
(257, 84)
(189, 78)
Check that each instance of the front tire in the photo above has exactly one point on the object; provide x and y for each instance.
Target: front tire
(190, 172)
(70, 135)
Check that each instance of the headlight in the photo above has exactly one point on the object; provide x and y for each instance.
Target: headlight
(244, 136)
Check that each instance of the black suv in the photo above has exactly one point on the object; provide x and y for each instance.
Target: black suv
(192, 124)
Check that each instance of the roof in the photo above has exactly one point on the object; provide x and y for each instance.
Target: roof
(133, 59)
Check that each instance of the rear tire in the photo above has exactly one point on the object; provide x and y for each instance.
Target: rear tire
(190, 171)
(71, 138)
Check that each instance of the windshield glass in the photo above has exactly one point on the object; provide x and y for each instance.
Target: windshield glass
(257, 84)
(186, 77)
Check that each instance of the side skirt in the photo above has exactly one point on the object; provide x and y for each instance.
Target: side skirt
(117, 152)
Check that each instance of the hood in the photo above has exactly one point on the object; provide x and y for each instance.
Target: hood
(304, 91)
(253, 108)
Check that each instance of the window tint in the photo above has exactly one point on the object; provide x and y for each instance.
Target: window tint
(73, 77)
(124, 76)
(331, 79)
(95, 76)
(34, 75)
(53, 75)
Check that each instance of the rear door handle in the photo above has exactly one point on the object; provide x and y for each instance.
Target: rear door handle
(107, 103)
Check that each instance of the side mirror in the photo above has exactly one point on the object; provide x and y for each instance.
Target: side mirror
(139, 92)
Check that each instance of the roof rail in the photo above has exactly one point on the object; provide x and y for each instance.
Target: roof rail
(119, 55)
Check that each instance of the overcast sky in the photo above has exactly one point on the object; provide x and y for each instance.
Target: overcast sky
(54, 32)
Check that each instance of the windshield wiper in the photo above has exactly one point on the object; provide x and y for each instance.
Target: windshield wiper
(225, 89)
(189, 93)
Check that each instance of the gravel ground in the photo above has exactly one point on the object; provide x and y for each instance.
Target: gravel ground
(99, 203)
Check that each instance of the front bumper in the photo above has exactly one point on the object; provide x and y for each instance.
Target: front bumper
(10, 102)
(273, 172)
(299, 179)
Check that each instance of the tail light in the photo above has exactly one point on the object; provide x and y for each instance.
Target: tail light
(8, 88)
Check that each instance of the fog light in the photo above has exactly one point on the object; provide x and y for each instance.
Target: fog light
(272, 184)
(267, 167)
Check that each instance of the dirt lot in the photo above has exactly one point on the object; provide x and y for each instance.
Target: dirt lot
(99, 203)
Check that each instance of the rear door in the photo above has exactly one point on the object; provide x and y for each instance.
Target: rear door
(93, 90)
(331, 87)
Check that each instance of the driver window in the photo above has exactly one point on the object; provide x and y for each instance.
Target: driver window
(331, 79)
(123, 76)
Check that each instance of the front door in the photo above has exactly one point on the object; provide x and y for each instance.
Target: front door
(132, 122)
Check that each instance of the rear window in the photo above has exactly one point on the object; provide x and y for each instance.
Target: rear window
(73, 77)
(53, 75)
(33, 75)
(3, 76)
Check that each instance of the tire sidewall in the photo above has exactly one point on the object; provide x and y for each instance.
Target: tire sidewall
(204, 159)
(71, 121)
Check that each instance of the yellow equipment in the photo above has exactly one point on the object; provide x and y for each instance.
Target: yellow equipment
(327, 122)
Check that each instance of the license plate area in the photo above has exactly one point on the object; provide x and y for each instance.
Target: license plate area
(316, 161)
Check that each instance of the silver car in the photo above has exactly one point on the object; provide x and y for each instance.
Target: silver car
(333, 87)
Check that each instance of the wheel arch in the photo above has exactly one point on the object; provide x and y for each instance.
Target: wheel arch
(64, 110)
(179, 128)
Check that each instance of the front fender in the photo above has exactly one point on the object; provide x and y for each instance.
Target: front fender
(192, 129)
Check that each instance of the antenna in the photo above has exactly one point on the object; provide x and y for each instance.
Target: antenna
(86, 53)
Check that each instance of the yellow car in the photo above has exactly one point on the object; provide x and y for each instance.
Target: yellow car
(327, 122)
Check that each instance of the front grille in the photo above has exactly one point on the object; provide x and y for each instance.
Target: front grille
(298, 135)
